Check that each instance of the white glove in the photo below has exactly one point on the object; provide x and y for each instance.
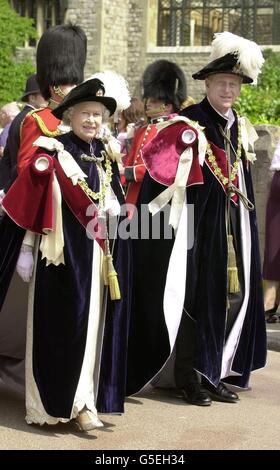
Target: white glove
(25, 263)
(130, 128)
(2, 195)
(111, 204)
(121, 168)
(104, 132)
(113, 207)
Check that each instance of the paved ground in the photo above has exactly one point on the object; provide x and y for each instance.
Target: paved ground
(273, 335)
(159, 420)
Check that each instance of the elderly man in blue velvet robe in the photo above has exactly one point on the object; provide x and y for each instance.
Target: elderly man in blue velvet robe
(205, 327)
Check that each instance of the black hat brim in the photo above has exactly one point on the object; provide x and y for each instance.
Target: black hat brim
(225, 64)
(32, 92)
(201, 75)
(109, 103)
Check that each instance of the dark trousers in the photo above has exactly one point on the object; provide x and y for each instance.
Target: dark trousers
(185, 346)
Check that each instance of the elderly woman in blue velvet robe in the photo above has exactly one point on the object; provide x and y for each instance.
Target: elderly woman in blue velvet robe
(76, 333)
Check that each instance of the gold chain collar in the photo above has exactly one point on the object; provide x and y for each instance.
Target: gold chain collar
(217, 170)
(103, 185)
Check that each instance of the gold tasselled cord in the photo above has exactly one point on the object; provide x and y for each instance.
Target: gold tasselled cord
(232, 271)
(110, 276)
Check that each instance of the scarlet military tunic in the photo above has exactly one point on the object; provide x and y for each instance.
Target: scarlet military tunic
(134, 166)
(36, 123)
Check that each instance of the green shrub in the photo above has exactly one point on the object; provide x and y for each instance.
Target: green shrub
(261, 103)
(14, 31)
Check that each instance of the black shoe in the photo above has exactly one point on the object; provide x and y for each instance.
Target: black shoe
(194, 394)
(273, 318)
(221, 393)
(271, 310)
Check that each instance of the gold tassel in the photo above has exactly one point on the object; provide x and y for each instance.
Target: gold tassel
(228, 304)
(113, 279)
(105, 271)
(233, 283)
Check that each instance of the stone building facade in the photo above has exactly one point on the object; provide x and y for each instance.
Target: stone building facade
(123, 36)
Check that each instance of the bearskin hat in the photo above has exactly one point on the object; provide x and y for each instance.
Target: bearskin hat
(61, 57)
(164, 80)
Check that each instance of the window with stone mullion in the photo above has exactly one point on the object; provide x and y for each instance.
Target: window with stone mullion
(193, 22)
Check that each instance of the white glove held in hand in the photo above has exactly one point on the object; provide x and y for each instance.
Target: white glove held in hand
(25, 263)
(2, 195)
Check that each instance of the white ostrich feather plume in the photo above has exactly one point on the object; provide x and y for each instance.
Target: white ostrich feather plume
(115, 86)
(249, 53)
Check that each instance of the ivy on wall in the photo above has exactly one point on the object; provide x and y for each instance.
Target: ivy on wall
(14, 31)
(261, 103)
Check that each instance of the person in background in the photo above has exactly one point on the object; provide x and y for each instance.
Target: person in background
(7, 113)
(271, 264)
(33, 100)
(130, 120)
(164, 92)
(60, 62)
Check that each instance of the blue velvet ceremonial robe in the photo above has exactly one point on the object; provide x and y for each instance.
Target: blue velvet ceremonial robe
(210, 239)
(61, 306)
(206, 284)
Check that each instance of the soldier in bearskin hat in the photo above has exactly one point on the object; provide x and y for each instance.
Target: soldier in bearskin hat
(60, 58)
(164, 92)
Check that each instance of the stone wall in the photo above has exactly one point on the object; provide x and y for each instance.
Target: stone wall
(106, 25)
(89, 15)
(26, 53)
(136, 60)
(122, 37)
(142, 49)
(115, 36)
